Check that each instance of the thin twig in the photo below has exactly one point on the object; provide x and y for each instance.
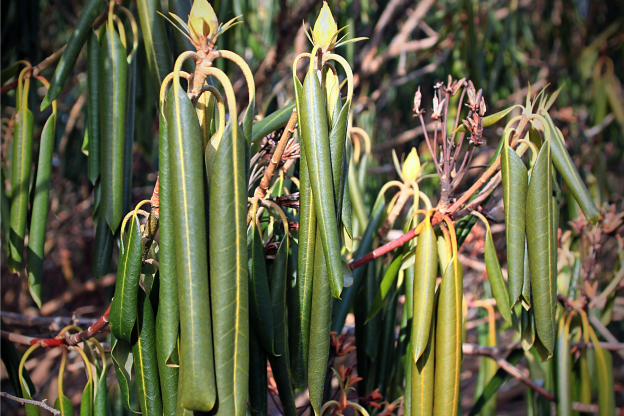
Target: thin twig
(42, 404)
(261, 190)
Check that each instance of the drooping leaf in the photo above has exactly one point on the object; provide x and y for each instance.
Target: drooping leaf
(123, 359)
(424, 289)
(272, 122)
(159, 58)
(515, 179)
(93, 112)
(541, 244)
(72, 50)
(387, 284)
(257, 376)
(112, 106)
(124, 307)
(196, 379)
(228, 272)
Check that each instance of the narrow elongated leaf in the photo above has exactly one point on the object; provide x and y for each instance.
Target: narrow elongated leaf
(228, 272)
(124, 308)
(542, 248)
(341, 307)
(131, 84)
(314, 129)
(11, 359)
(20, 181)
(300, 336)
(495, 277)
(337, 136)
(424, 288)
(112, 95)
(123, 359)
(564, 369)
(387, 284)
(421, 377)
(93, 111)
(257, 376)
(39, 216)
(448, 348)
(62, 403)
(515, 179)
(319, 328)
(145, 362)
(157, 47)
(280, 364)
(197, 383)
(100, 404)
(489, 120)
(86, 402)
(347, 213)
(168, 314)
(272, 122)
(102, 248)
(387, 343)
(72, 50)
(563, 162)
(260, 309)
(604, 374)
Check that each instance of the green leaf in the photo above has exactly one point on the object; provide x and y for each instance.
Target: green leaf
(131, 83)
(168, 314)
(563, 162)
(515, 179)
(528, 329)
(93, 110)
(112, 105)
(495, 277)
(564, 369)
(260, 309)
(347, 214)
(604, 373)
(8, 73)
(124, 307)
(20, 181)
(11, 359)
(314, 126)
(496, 382)
(541, 244)
(62, 403)
(102, 247)
(300, 331)
(72, 50)
(387, 341)
(228, 272)
(145, 362)
(86, 402)
(280, 364)
(157, 47)
(424, 289)
(341, 307)
(123, 359)
(319, 327)
(272, 122)
(421, 375)
(39, 215)
(337, 136)
(257, 376)
(448, 346)
(100, 403)
(197, 383)
(387, 285)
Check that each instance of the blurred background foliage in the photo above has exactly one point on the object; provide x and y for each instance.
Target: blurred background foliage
(502, 46)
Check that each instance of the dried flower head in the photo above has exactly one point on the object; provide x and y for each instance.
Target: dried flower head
(417, 100)
(437, 108)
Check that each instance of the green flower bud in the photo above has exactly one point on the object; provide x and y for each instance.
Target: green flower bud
(202, 22)
(411, 167)
(325, 29)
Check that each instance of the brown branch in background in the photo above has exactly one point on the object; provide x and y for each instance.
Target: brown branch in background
(261, 190)
(42, 404)
(52, 323)
(495, 354)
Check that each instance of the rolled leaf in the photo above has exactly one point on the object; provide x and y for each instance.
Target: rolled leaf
(422, 377)
(72, 50)
(20, 181)
(228, 272)
(424, 288)
(515, 179)
(39, 216)
(542, 248)
(157, 47)
(124, 307)
(112, 95)
(314, 130)
(448, 348)
(319, 328)
(145, 362)
(102, 247)
(123, 359)
(93, 110)
(197, 383)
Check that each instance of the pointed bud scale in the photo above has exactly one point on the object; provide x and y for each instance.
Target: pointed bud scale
(411, 166)
(202, 22)
(325, 29)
